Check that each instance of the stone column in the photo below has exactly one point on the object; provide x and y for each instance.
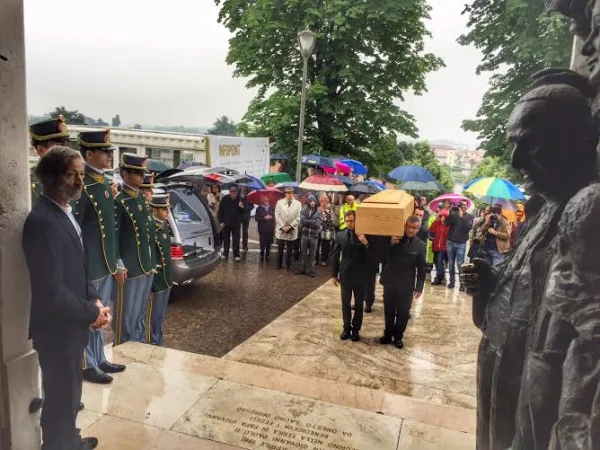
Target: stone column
(19, 369)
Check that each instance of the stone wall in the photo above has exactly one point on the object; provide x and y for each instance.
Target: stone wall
(19, 370)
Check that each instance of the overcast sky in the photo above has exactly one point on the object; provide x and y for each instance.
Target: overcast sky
(163, 63)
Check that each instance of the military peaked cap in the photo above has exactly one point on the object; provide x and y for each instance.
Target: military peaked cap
(49, 129)
(148, 181)
(133, 162)
(160, 201)
(97, 139)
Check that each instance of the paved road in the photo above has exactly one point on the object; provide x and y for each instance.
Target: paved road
(215, 314)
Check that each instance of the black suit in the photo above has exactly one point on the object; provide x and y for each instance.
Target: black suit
(62, 308)
(350, 269)
(404, 274)
(379, 247)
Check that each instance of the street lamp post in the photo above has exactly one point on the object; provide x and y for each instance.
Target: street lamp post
(306, 43)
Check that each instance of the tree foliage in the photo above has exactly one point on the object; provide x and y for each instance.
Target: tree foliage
(116, 121)
(223, 126)
(71, 117)
(367, 55)
(517, 39)
(494, 166)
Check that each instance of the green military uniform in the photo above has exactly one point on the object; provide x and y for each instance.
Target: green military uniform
(52, 131)
(135, 235)
(95, 213)
(161, 286)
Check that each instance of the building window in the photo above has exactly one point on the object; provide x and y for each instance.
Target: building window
(171, 158)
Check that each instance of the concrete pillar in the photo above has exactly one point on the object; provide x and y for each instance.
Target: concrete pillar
(19, 369)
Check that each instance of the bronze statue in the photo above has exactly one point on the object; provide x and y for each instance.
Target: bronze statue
(538, 374)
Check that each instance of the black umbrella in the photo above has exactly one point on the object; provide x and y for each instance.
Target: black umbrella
(280, 156)
(364, 188)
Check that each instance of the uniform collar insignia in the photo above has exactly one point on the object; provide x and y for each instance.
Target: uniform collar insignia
(94, 174)
(132, 192)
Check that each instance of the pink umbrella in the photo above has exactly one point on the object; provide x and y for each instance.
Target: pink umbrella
(323, 183)
(454, 199)
(339, 166)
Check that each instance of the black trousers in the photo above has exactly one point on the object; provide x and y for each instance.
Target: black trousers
(323, 249)
(266, 240)
(297, 245)
(245, 226)
(370, 282)
(396, 307)
(288, 246)
(230, 233)
(61, 382)
(357, 288)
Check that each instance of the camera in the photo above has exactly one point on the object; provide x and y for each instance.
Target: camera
(454, 209)
(493, 217)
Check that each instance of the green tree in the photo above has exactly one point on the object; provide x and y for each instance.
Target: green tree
(494, 166)
(71, 117)
(518, 38)
(223, 126)
(368, 55)
(116, 121)
(101, 123)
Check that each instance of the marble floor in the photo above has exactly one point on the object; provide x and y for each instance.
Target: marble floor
(437, 364)
(172, 400)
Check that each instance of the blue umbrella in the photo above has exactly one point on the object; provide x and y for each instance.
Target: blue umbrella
(375, 183)
(358, 168)
(254, 183)
(347, 181)
(411, 173)
(285, 184)
(317, 160)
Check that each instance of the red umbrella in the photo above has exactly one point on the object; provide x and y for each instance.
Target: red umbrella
(454, 199)
(271, 192)
(323, 183)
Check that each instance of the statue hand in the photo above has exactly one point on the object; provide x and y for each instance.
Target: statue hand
(477, 276)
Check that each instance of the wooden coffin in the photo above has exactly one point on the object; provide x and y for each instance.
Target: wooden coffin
(385, 213)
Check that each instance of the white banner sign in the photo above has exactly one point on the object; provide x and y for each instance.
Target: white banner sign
(244, 154)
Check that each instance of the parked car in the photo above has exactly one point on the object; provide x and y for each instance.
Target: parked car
(196, 247)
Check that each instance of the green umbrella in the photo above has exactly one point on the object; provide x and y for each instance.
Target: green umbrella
(276, 177)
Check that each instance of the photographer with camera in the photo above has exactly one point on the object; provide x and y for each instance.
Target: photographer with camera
(460, 223)
(494, 235)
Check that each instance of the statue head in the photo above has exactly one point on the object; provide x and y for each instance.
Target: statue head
(553, 134)
(579, 11)
(591, 47)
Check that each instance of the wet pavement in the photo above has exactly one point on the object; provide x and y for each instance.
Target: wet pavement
(215, 314)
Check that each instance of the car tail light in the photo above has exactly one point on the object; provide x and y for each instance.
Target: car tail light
(176, 252)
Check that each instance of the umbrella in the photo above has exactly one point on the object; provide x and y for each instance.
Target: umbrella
(411, 173)
(292, 184)
(276, 177)
(187, 165)
(365, 188)
(344, 168)
(357, 167)
(454, 198)
(422, 186)
(254, 183)
(375, 183)
(347, 181)
(492, 189)
(280, 156)
(273, 194)
(324, 183)
(317, 160)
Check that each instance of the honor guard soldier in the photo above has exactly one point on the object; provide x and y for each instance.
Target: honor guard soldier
(146, 188)
(44, 136)
(161, 286)
(135, 231)
(95, 213)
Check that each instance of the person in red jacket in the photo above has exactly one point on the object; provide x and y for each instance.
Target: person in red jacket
(438, 233)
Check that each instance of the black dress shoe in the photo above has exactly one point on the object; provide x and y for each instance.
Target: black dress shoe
(355, 336)
(300, 272)
(345, 335)
(450, 285)
(88, 443)
(436, 282)
(385, 340)
(312, 274)
(462, 288)
(80, 406)
(368, 309)
(398, 343)
(95, 375)
(108, 367)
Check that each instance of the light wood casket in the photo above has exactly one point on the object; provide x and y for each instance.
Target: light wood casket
(385, 213)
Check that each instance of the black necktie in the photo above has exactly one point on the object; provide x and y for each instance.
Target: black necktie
(289, 203)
